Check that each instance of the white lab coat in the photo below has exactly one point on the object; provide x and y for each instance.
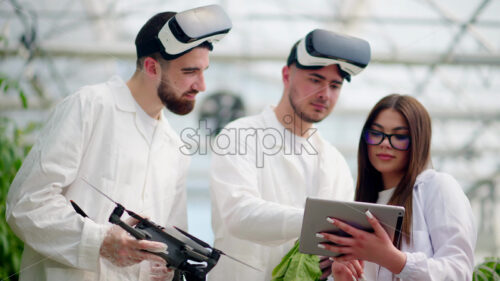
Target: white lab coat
(443, 233)
(257, 211)
(93, 134)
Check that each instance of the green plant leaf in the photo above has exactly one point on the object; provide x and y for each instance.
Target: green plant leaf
(11, 155)
(488, 270)
(296, 266)
(24, 101)
(303, 267)
(280, 270)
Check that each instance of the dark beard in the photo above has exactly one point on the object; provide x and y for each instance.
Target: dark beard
(175, 104)
(300, 114)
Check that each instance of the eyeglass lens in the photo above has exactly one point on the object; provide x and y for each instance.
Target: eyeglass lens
(397, 141)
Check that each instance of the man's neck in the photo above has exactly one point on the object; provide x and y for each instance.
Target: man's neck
(146, 96)
(291, 121)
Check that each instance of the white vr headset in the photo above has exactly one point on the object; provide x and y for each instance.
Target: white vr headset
(321, 48)
(187, 30)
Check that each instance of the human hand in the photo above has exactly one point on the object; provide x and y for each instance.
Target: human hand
(325, 264)
(348, 270)
(122, 250)
(159, 272)
(376, 247)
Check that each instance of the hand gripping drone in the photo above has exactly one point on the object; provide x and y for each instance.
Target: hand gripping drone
(190, 257)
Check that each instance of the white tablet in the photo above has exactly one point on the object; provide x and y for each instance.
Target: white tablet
(353, 213)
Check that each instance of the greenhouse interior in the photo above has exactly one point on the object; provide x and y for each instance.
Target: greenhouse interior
(444, 53)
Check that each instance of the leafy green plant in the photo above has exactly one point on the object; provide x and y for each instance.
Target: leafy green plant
(7, 84)
(296, 266)
(12, 153)
(11, 157)
(489, 270)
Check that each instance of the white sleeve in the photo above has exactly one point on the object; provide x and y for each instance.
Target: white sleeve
(36, 209)
(236, 196)
(178, 215)
(452, 231)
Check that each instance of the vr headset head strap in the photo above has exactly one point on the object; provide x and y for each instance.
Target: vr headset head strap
(176, 34)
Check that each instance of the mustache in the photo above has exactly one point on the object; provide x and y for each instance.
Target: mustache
(191, 92)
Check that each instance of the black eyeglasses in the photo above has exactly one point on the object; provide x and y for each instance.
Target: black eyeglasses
(397, 141)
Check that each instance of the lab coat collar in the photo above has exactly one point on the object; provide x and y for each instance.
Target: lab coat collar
(165, 134)
(425, 175)
(271, 121)
(126, 102)
(166, 129)
(325, 164)
(122, 94)
(322, 146)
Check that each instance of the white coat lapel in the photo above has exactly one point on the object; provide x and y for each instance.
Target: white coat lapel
(125, 101)
(293, 169)
(285, 164)
(164, 135)
(283, 145)
(140, 127)
(325, 171)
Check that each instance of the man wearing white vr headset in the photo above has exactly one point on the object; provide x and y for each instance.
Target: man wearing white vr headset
(114, 136)
(257, 207)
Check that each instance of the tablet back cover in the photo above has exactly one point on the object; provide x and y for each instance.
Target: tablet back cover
(317, 210)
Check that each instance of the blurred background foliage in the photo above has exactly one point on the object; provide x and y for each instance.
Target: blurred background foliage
(11, 157)
(12, 152)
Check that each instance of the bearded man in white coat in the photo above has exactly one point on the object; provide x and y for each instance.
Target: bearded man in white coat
(266, 165)
(113, 136)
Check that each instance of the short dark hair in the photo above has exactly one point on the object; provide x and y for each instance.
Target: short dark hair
(150, 29)
(292, 57)
(149, 32)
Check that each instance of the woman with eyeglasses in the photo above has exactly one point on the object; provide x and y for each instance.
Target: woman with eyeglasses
(439, 234)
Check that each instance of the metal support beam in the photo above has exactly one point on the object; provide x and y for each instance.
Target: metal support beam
(450, 17)
(103, 24)
(46, 14)
(448, 54)
(8, 102)
(126, 51)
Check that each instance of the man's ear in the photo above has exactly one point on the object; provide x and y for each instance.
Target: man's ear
(285, 75)
(151, 67)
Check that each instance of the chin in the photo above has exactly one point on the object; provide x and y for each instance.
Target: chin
(182, 110)
(388, 169)
(312, 118)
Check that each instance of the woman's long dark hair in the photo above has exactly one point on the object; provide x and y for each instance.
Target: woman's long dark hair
(370, 182)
